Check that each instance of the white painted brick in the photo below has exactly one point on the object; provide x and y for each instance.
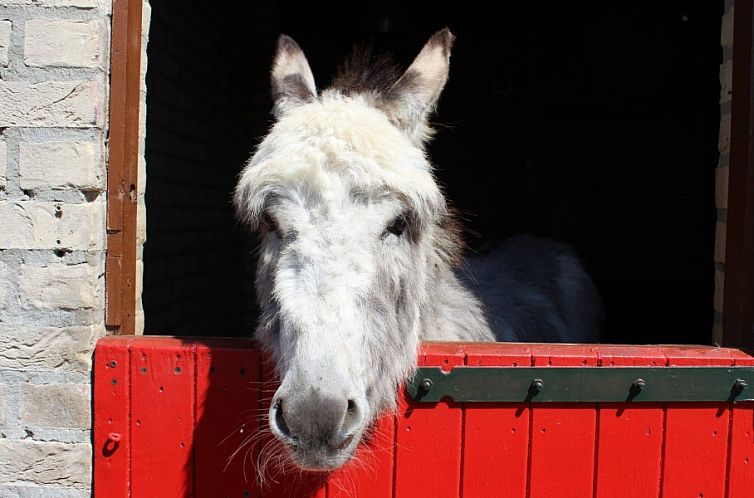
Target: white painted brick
(55, 405)
(3, 287)
(60, 165)
(4, 395)
(3, 163)
(141, 221)
(726, 29)
(61, 43)
(5, 29)
(82, 4)
(49, 103)
(67, 348)
(66, 287)
(726, 81)
(28, 461)
(724, 135)
(720, 233)
(35, 491)
(721, 187)
(49, 225)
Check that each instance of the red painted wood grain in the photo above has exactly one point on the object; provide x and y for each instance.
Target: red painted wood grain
(428, 454)
(629, 450)
(227, 422)
(495, 435)
(696, 434)
(112, 435)
(741, 451)
(195, 391)
(562, 435)
(162, 421)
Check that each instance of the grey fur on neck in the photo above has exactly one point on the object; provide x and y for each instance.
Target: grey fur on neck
(452, 313)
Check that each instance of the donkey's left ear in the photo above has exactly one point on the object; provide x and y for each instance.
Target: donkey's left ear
(292, 78)
(412, 99)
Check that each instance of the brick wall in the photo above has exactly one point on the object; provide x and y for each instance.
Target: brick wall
(721, 173)
(53, 89)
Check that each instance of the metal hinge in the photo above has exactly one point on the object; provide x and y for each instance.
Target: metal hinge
(582, 384)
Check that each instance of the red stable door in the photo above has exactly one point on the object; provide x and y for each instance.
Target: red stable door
(177, 418)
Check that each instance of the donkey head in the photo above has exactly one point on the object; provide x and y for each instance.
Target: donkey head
(353, 226)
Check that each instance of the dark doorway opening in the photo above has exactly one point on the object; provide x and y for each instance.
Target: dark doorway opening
(594, 124)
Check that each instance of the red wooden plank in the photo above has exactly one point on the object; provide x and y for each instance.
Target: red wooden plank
(370, 475)
(629, 452)
(162, 420)
(741, 452)
(227, 422)
(562, 435)
(496, 435)
(281, 479)
(112, 440)
(429, 436)
(696, 434)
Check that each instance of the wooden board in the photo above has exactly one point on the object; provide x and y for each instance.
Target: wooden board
(180, 408)
(741, 452)
(696, 434)
(428, 454)
(496, 435)
(162, 421)
(562, 437)
(227, 422)
(629, 445)
(112, 434)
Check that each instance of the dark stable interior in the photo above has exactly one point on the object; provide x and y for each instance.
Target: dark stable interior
(590, 123)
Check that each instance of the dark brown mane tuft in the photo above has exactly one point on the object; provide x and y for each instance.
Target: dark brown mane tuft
(449, 243)
(362, 72)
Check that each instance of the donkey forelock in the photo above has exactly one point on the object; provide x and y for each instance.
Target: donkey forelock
(341, 137)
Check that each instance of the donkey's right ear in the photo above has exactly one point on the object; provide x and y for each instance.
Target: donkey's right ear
(292, 78)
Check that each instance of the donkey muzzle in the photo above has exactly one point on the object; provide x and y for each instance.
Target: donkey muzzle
(317, 425)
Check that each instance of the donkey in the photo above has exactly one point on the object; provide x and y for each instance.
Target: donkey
(359, 252)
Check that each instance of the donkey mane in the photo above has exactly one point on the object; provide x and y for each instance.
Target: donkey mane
(363, 72)
(377, 77)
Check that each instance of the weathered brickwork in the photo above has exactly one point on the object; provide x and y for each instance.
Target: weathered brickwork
(721, 174)
(54, 59)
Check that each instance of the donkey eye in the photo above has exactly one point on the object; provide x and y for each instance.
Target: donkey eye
(269, 222)
(397, 226)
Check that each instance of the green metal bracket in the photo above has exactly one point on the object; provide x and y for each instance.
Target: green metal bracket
(582, 384)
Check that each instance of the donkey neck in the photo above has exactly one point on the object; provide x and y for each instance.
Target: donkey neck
(451, 312)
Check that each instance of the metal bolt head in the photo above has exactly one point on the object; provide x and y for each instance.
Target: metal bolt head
(639, 384)
(426, 385)
(739, 386)
(537, 385)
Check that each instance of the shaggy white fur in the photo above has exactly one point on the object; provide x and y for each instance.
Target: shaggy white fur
(358, 251)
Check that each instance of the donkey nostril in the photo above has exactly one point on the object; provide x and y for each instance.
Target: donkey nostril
(280, 420)
(351, 420)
